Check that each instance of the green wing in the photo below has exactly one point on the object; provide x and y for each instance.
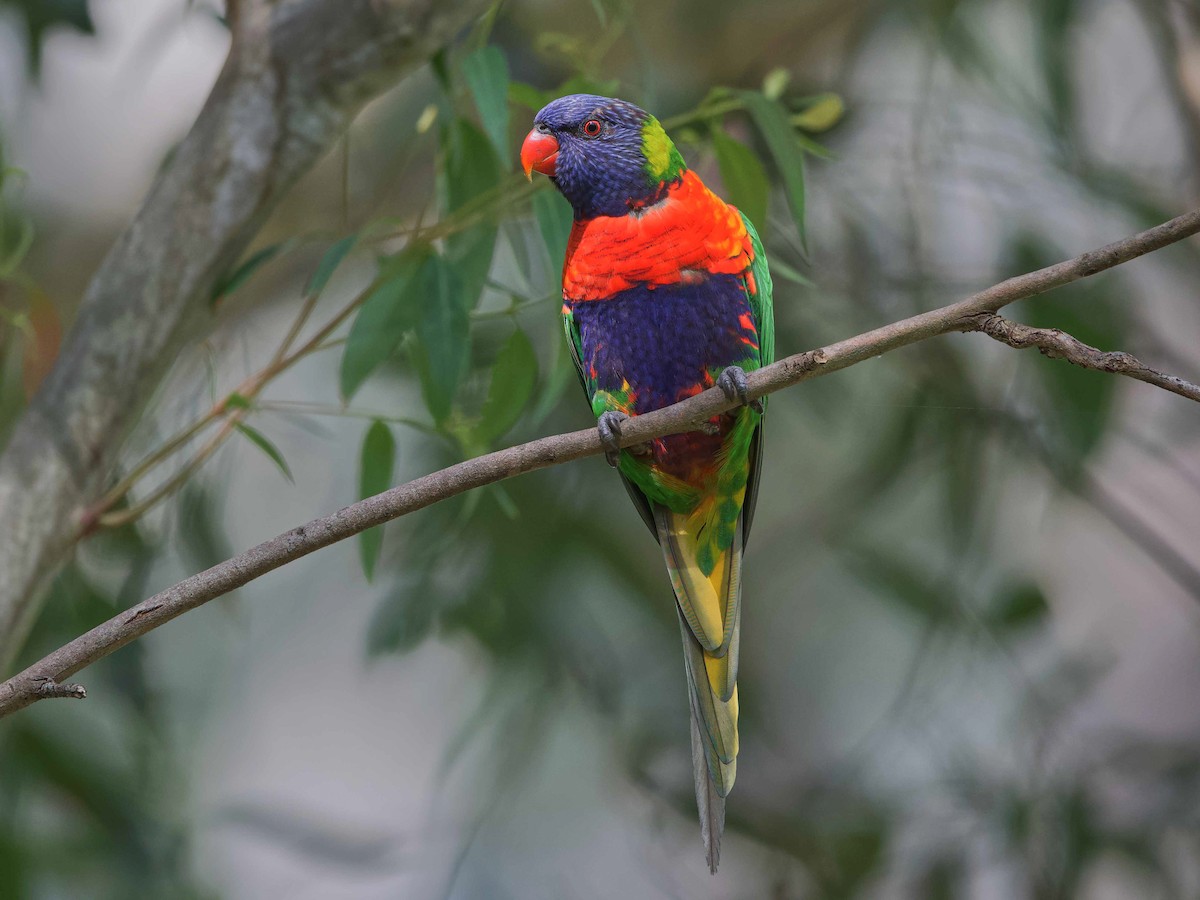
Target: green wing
(760, 297)
(575, 342)
(764, 320)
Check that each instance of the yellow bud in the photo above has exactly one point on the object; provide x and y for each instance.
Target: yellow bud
(428, 116)
(776, 83)
(825, 112)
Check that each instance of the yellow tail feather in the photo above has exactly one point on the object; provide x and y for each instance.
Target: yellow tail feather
(709, 606)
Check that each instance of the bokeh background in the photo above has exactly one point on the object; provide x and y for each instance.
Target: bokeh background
(971, 660)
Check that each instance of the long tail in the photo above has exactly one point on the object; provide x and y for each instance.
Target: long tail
(710, 609)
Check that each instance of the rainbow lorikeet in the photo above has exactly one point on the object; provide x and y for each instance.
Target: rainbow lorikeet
(666, 292)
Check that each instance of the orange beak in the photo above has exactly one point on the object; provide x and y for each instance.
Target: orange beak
(539, 153)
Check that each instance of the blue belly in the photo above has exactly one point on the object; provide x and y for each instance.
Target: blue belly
(667, 343)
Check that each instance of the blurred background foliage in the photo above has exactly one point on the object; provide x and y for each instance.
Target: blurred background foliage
(972, 651)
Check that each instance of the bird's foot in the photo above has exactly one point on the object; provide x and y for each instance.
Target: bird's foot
(609, 426)
(732, 383)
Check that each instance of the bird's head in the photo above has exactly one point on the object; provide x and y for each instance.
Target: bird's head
(606, 156)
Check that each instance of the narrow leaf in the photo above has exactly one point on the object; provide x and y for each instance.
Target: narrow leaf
(560, 375)
(374, 477)
(445, 335)
(486, 72)
(241, 274)
(20, 248)
(527, 95)
(513, 378)
(902, 582)
(783, 270)
(470, 169)
(1020, 606)
(329, 262)
(402, 621)
(259, 440)
(390, 310)
(772, 122)
(554, 219)
(744, 177)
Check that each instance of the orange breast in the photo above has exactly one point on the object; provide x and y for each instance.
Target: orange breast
(689, 232)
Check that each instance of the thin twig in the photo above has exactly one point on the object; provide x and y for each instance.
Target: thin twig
(119, 517)
(1057, 344)
(102, 514)
(23, 689)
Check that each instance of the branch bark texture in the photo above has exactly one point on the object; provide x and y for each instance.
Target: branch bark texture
(1058, 344)
(967, 315)
(297, 72)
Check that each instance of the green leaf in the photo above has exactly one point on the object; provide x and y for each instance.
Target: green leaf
(527, 95)
(374, 477)
(554, 218)
(390, 310)
(744, 177)
(470, 169)
(771, 119)
(560, 375)
(444, 333)
(504, 500)
(901, 581)
(783, 270)
(1020, 606)
(513, 378)
(201, 540)
(329, 262)
(402, 621)
(1054, 44)
(259, 440)
(486, 72)
(229, 283)
(20, 247)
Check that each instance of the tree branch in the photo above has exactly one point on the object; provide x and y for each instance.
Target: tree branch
(297, 72)
(1058, 344)
(25, 688)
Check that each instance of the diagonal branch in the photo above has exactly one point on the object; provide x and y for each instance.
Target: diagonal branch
(26, 687)
(1058, 344)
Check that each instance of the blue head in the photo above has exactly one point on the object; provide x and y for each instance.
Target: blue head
(606, 156)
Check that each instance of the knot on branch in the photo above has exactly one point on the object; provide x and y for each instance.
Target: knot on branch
(805, 362)
(1052, 343)
(51, 688)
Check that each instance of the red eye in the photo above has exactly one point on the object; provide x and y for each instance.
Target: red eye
(591, 127)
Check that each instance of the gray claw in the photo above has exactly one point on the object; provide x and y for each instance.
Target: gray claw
(732, 383)
(609, 426)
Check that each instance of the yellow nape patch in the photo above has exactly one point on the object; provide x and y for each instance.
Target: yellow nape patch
(656, 147)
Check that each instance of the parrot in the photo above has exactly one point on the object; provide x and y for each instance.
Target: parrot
(666, 293)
